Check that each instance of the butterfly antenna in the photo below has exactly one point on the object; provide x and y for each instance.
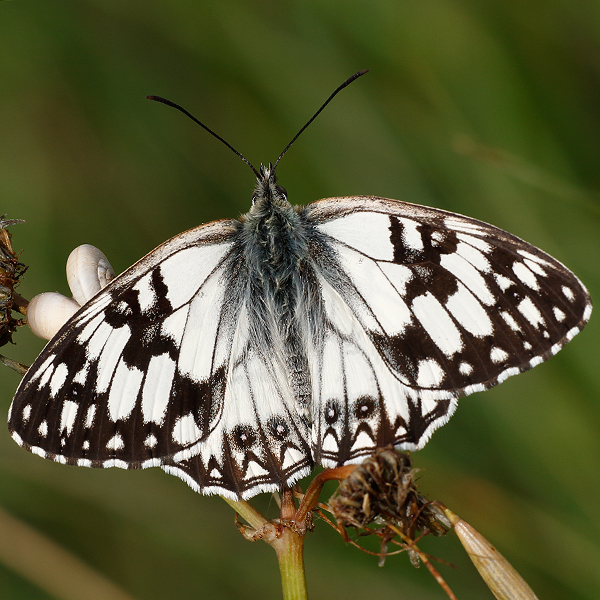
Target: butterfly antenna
(339, 89)
(185, 112)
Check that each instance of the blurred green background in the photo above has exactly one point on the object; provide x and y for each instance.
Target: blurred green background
(491, 109)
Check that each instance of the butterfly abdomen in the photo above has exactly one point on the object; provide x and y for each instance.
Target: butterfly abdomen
(280, 274)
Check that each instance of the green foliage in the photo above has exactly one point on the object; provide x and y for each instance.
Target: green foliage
(491, 109)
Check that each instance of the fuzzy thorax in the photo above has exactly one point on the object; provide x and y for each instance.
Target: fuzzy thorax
(275, 245)
(274, 231)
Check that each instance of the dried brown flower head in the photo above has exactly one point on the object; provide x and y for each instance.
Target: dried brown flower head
(382, 490)
(10, 272)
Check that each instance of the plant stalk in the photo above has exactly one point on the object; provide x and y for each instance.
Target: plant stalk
(290, 554)
(289, 547)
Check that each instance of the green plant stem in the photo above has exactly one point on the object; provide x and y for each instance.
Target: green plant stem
(20, 368)
(247, 512)
(285, 540)
(286, 535)
(289, 547)
(290, 554)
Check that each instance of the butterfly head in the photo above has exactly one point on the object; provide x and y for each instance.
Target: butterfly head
(267, 190)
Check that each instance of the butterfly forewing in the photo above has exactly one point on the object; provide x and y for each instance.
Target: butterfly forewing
(101, 390)
(422, 307)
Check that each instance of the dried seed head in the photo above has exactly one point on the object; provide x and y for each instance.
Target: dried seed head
(10, 272)
(382, 490)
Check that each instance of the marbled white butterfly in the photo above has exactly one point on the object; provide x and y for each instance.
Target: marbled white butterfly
(241, 353)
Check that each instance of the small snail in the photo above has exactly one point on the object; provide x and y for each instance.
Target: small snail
(48, 312)
(88, 271)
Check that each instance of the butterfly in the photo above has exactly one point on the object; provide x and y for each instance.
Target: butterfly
(239, 354)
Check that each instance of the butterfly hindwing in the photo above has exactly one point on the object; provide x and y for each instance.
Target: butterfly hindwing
(359, 403)
(422, 307)
(260, 443)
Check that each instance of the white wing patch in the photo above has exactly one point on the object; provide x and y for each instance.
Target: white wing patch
(185, 431)
(196, 352)
(467, 273)
(469, 313)
(185, 272)
(430, 373)
(438, 324)
(351, 230)
(68, 416)
(109, 355)
(58, 378)
(146, 294)
(156, 392)
(124, 391)
(378, 292)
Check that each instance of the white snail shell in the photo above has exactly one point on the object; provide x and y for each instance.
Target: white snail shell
(48, 312)
(88, 271)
